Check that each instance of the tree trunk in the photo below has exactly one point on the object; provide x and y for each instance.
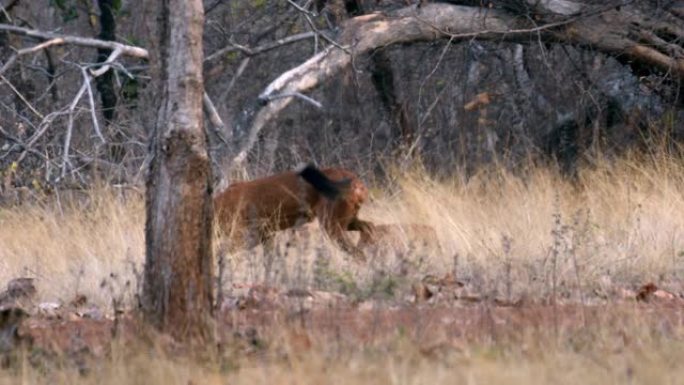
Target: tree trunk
(177, 291)
(105, 82)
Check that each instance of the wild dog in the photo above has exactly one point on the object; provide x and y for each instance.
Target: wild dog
(399, 238)
(255, 210)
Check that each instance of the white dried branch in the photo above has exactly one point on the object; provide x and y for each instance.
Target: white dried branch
(300, 95)
(214, 118)
(127, 50)
(438, 20)
(28, 50)
(107, 64)
(118, 49)
(93, 114)
(70, 128)
(558, 7)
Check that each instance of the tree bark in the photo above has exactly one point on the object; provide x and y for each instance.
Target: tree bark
(177, 291)
(105, 82)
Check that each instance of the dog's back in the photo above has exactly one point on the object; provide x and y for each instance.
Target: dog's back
(277, 201)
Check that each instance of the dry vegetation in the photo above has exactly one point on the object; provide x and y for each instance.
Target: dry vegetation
(569, 258)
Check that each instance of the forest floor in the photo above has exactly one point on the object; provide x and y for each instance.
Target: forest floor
(533, 280)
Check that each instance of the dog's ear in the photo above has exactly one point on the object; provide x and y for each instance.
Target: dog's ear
(328, 188)
(303, 166)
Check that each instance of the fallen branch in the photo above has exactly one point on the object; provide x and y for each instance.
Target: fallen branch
(363, 34)
(604, 28)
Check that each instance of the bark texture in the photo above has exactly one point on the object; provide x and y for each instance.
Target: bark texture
(105, 82)
(177, 292)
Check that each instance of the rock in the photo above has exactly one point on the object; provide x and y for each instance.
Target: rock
(20, 292)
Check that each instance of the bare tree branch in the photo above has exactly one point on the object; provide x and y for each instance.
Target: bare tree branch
(107, 64)
(21, 97)
(118, 49)
(5, 9)
(365, 33)
(299, 95)
(213, 66)
(214, 118)
(307, 16)
(21, 144)
(604, 28)
(28, 50)
(260, 49)
(241, 69)
(127, 50)
(93, 115)
(558, 7)
(70, 128)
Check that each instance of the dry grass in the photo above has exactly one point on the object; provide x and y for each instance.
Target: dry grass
(73, 245)
(620, 223)
(502, 232)
(505, 235)
(622, 345)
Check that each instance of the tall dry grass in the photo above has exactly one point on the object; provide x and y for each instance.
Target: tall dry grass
(619, 221)
(519, 235)
(74, 245)
(533, 235)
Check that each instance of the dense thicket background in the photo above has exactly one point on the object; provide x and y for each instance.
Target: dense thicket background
(455, 105)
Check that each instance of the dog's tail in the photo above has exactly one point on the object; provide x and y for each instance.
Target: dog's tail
(329, 188)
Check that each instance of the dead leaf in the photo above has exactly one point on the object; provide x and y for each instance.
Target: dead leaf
(481, 99)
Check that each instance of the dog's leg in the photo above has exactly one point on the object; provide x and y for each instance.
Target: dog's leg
(365, 227)
(338, 235)
(367, 230)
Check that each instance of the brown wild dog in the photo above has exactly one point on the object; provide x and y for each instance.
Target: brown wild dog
(255, 210)
(399, 238)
